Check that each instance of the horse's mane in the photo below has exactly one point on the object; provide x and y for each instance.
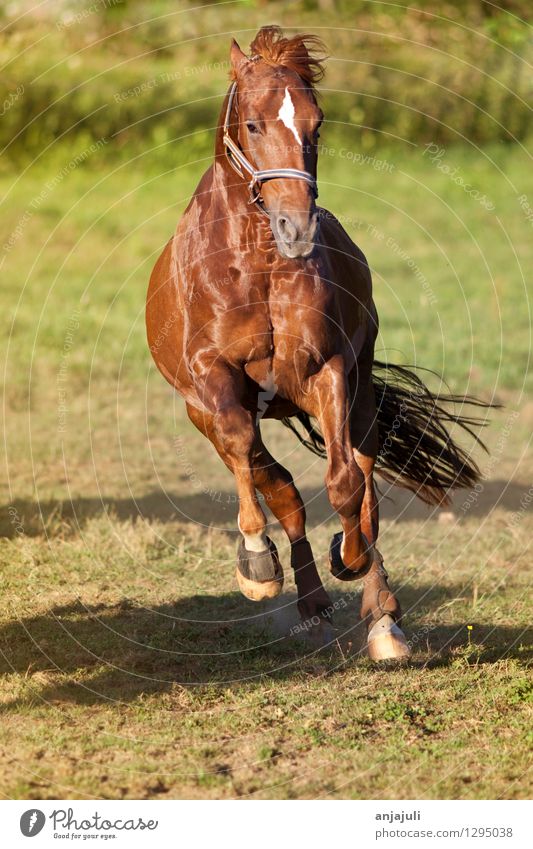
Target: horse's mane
(304, 54)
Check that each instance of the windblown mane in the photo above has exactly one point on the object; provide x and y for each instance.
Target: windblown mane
(304, 54)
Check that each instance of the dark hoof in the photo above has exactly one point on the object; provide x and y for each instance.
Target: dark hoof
(259, 574)
(337, 567)
(319, 635)
(317, 631)
(315, 604)
(317, 619)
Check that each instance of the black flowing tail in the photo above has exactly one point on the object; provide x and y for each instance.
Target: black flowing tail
(416, 450)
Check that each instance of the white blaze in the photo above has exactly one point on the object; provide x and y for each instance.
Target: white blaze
(286, 114)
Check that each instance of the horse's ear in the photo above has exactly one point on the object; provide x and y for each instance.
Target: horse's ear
(238, 58)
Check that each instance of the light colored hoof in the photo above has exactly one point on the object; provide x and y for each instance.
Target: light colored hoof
(386, 641)
(259, 590)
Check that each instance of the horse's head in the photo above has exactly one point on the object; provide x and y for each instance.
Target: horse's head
(278, 122)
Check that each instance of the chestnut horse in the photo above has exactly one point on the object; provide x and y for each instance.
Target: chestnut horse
(260, 294)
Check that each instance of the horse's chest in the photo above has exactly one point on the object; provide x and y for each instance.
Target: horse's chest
(245, 332)
(304, 318)
(303, 333)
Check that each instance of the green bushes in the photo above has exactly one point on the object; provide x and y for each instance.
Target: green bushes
(140, 75)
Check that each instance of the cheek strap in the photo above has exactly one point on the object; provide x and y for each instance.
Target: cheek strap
(241, 165)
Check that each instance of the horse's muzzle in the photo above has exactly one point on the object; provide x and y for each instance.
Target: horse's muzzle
(295, 234)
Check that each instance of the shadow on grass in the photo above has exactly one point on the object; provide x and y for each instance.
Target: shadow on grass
(101, 653)
(220, 508)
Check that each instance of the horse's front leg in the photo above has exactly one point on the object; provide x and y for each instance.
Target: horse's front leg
(234, 433)
(277, 488)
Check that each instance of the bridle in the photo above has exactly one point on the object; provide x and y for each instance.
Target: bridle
(241, 164)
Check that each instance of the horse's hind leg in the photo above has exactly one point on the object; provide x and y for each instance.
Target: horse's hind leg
(326, 397)
(380, 609)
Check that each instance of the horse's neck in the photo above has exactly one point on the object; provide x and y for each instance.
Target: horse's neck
(224, 197)
(228, 195)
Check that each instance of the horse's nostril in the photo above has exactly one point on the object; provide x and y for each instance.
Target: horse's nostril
(286, 229)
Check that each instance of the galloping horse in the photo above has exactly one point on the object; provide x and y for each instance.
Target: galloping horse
(262, 294)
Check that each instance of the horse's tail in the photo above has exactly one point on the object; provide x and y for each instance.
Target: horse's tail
(415, 449)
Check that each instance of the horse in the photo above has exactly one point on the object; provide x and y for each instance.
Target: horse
(260, 306)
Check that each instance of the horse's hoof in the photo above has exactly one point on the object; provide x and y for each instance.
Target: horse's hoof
(317, 632)
(259, 573)
(323, 634)
(337, 567)
(386, 641)
(319, 636)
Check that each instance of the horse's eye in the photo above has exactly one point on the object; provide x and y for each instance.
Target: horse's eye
(251, 127)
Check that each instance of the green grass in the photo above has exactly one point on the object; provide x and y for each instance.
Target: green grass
(133, 671)
(131, 667)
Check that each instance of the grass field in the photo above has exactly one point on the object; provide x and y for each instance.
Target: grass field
(131, 666)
